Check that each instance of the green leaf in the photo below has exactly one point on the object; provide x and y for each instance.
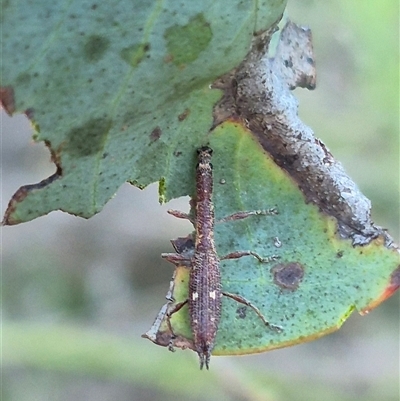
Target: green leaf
(119, 91)
(319, 279)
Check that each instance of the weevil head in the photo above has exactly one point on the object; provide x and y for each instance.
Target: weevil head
(204, 158)
(205, 150)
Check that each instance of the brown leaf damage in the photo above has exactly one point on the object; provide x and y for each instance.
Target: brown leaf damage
(258, 93)
(7, 100)
(393, 286)
(9, 218)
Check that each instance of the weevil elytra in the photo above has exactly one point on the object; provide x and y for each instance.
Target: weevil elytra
(205, 291)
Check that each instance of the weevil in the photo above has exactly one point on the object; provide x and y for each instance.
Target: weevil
(205, 290)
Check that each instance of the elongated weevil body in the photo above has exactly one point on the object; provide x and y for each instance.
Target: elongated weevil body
(205, 291)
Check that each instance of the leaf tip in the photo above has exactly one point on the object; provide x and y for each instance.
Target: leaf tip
(394, 284)
(11, 216)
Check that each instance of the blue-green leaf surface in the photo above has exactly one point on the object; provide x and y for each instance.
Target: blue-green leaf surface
(119, 90)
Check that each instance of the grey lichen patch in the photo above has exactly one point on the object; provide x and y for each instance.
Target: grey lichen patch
(185, 43)
(288, 275)
(95, 47)
(258, 92)
(134, 54)
(89, 138)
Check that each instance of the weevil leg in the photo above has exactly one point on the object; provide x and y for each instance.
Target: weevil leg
(245, 214)
(173, 310)
(181, 215)
(239, 254)
(177, 259)
(246, 302)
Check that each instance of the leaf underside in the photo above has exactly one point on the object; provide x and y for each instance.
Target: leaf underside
(119, 90)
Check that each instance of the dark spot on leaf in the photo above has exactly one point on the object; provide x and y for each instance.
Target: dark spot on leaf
(7, 100)
(288, 63)
(182, 116)
(87, 139)
(29, 113)
(241, 312)
(155, 134)
(185, 43)
(94, 6)
(134, 54)
(177, 153)
(95, 47)
(288, 275)
(24, 78)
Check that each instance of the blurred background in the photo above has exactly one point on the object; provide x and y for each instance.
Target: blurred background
(77, 294)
